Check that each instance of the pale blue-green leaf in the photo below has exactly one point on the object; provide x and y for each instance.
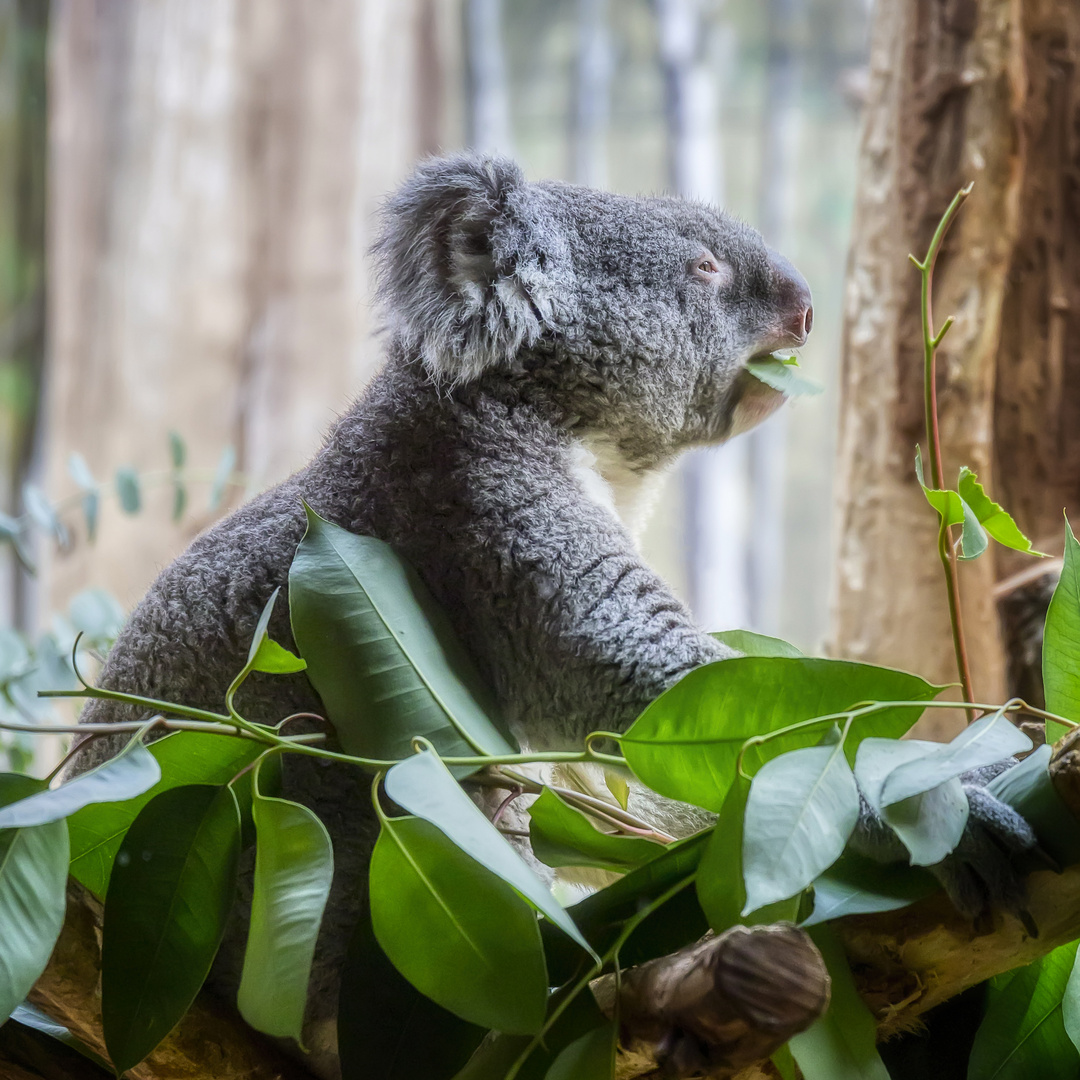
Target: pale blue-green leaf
(1061, 643)
(995, 520)
(779, 375)
(751, 644)
(177, 450)
(294, 865)
(591, 1057)
(423, 786)
(33, 877)
(132, 772)
(222, 475)
(560, 835)
(1023, 1036)
(98, 615)
(685, 744)
(990, 739)
(458, 933)
(382, 654)
(41, 510)
(127, 487)
(802, 809)
(91, 501)
(32, 1017)
(842, 1044)
(854, 885)
(929, 824)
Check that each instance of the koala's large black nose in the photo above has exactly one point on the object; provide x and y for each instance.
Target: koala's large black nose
(793, 299)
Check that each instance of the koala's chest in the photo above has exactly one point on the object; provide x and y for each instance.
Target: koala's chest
(610, 481)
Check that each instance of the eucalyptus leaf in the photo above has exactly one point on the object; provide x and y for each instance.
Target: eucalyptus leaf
(128, 488)
(784, 377)
(751, 644)
(423, 786)
(855, 885)
(380, 652)
(590, 1057)
(185, 757)
(1023, 1034)
(686, 743)
(801, 810)
(1070, 1004)
(166, 910)
(930, 823)
(80, 472)
(1061, 643)
(841, 1045)
(560, 835)
(990, 739)
(177, 450)
(991, 515)
(719, 882)
(386, 1028)
(952, 508)
(222, 474)
(618, 785)
(132, 772)
(179, 498)
(294, 866)
(41, 511)
(33, 878)
(267, 655)
(456, 931)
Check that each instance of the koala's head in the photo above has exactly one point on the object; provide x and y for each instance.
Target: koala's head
(633, 317)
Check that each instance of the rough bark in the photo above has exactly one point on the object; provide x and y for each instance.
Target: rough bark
(215, 168)
(947, 88)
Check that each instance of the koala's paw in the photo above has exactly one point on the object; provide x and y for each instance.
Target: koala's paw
(981, 875)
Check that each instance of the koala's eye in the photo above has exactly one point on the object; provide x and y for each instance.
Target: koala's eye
(708, 268)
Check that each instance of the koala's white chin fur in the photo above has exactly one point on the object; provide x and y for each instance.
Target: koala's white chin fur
(607, 478)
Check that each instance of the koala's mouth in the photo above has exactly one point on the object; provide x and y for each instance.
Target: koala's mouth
(751, 400)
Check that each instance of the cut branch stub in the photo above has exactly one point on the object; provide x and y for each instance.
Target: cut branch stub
(720, 1004)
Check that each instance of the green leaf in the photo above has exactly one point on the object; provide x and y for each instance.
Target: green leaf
(423, 786)
(1061, 643)
(381, 653)
(387, 1028)
(165, 913)
(990, 739)
(720, 889)
(930, 823)
(1070, 1004)
(127, 487)
(992, 517)
(33, 876)
(294, 865)
(42, 512)
(222, 474)
(955, 511)
(91, 501)
(855, 885)
(782, 376)
(29, 1016)
(784, 1063)
(1023, 1034)
(618, 785)
(802, 809)
(267, 655)
(177, 450)
(751, 644)
(563, 836)
(685, 744)
(841, 1045)
(591, 1057)
(185, 757)
(457, 932)
(132, 772)
(179, 498)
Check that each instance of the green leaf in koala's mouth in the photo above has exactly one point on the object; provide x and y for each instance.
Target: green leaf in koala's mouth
(780, 373)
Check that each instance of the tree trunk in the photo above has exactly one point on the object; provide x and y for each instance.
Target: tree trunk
(984, 91)
(215, 169)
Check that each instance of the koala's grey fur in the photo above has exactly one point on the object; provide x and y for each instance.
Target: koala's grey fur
(534, 328)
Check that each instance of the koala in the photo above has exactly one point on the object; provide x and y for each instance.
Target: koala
(550, 351)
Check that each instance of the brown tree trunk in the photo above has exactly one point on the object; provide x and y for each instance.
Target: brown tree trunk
(969, 90)
(215, 169)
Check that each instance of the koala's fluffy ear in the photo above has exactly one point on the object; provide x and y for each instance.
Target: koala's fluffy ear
(466, 274)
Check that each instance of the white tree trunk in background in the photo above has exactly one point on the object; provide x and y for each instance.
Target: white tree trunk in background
(488, 109)
(717, 481)
(592, 95)
(215, 166)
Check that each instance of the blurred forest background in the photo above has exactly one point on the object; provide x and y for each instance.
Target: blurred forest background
(187, 192)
